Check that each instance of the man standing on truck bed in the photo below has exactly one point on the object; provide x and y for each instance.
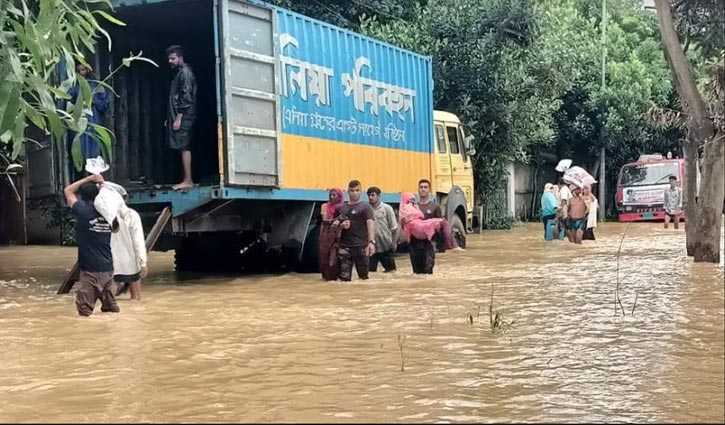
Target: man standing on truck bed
(357, 239)
(422, 251)
(181, 111)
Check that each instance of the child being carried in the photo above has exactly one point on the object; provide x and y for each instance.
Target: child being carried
(415, 225)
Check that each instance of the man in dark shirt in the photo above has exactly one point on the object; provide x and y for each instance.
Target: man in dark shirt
(422, 251)
(357, 239)
(93, 236)
(181, 112)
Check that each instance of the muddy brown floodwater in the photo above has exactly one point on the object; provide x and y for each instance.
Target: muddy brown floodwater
(294, 349)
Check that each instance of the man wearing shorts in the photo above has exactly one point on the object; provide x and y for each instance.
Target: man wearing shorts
(673, 203)
(181, 112)
(577, 222)
(93, 235)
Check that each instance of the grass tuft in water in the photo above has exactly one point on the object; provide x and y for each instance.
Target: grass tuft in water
(401, 346)
(496, 318)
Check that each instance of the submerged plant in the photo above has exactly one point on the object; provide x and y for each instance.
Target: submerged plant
(401, 347)
(496, 318)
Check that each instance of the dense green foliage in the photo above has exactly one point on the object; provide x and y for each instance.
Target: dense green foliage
(37, 36)
(525, 75)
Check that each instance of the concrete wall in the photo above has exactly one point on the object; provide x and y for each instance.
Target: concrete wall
(522, 190)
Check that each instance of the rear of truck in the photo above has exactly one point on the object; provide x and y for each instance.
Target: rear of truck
(291, 107)
(348, 106)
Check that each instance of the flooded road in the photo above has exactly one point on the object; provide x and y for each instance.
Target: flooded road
(294, 349)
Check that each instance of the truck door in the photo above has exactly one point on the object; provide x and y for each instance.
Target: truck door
(461, 169)
(249, 116)
(443, 176)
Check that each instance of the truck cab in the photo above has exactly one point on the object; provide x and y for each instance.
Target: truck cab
(452, 172)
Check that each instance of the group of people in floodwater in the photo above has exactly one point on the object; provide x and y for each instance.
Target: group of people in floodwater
(365, 234)
(572, 209)
(112, 254)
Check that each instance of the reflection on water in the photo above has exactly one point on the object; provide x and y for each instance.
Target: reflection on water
(294, 349)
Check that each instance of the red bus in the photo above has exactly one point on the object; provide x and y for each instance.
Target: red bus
(641, 186)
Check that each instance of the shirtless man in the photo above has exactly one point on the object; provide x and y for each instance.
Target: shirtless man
(577, 221)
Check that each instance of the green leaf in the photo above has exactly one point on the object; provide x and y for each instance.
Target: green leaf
(70, 64)
(85, 91)
(105, 139)
(110, 18)
(56, 125)
(37, 85)
(30, 44)
(11, 112)
(19, 135)
(78, 109)
(60, 94)
(5, 90)
(17, 67)
(76, 152)
(34, 115)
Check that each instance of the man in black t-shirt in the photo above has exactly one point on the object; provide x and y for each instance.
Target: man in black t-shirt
(422, 251)
(357, 239)
(93, 236)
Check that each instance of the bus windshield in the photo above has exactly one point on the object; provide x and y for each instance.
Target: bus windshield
(650, 173)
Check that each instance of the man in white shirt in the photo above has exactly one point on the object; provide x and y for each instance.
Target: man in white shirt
(672, 203)
(129, 252)
(563, 197)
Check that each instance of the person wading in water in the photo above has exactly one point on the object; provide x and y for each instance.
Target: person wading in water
(386, 231)
(329, 235)
(357, 238)
(422, 251)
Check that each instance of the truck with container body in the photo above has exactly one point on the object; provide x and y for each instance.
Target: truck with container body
(287, 108)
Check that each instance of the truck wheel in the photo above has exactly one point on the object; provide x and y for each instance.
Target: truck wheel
(459, 231)
(187, 255)
(211, 252)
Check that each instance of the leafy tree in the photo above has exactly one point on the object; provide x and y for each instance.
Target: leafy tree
(636, 80)
(37, 37)
(701, 22)
(525, 75)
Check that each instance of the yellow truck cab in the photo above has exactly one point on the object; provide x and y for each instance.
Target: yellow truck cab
(452, 171)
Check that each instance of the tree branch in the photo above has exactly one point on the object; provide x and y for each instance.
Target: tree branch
(700, 126)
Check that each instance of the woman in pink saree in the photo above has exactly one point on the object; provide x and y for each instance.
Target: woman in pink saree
(328, 264)
(414, 224)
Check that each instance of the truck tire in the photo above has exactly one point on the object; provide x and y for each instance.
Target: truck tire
(212, 252)
(459, 231)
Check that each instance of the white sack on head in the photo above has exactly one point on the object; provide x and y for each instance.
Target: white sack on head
(109, 203)
(578, 177)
